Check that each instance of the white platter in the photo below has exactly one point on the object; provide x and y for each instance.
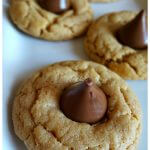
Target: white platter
(22, 55)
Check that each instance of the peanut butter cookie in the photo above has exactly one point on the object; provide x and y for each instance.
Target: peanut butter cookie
(103, 46)
(39, 20)
(40, 123)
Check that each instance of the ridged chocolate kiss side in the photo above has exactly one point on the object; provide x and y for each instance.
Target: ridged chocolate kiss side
(134, 34)
(84, 102)
(55, 6)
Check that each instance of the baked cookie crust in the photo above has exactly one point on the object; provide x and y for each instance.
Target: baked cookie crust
(32, 19)
(39, 122)
(102, 46)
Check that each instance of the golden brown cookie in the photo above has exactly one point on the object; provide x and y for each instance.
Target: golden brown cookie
(31, 18)
(101, 45)
(39, 122)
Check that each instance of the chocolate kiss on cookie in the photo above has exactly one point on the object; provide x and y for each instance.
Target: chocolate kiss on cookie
(55, 6)
(134, 34)
(84, 102)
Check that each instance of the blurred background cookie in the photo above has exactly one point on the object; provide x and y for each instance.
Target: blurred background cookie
(119, 41)
(51, 20)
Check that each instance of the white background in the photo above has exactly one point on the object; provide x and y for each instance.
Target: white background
(22, 55)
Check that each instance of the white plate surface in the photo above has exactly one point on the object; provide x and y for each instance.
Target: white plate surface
(22, 55)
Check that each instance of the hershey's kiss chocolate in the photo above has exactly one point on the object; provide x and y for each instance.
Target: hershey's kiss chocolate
(134, 34)
(84, 102)
(55, 6)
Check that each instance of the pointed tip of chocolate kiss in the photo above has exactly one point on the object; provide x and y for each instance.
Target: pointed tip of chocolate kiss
(141, 16)
(134, 34)
(142, 12)
(88, 82)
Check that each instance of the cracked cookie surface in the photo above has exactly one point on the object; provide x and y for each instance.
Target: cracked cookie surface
(28, 16)
(39, 122)
(103, 47)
